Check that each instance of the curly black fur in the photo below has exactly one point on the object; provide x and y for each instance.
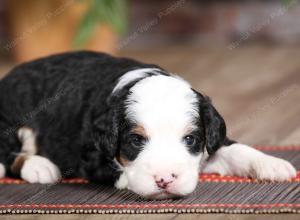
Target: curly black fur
(65, 99)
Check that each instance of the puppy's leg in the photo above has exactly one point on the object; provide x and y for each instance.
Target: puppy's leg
(33, 168)
(242, 160)
(2, 170)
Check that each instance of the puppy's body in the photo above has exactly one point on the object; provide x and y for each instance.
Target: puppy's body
(60, 98)
(117, 121)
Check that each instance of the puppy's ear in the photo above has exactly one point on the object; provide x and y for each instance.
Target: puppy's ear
(100, 148)
(106, 133)
(214, 125)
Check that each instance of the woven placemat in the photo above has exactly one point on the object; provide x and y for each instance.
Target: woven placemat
(214, 194)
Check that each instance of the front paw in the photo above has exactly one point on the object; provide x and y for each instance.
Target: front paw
(122, 182)
(37, 169)
(272, 169)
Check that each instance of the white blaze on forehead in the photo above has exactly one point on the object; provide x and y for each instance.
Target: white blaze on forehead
(162, 105)
(134, 75)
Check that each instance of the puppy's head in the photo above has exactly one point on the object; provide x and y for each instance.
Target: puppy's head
(162, 134)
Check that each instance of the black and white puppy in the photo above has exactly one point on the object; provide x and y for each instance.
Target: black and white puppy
(117, 121)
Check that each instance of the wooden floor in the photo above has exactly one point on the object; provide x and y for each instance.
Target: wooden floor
(255, 88)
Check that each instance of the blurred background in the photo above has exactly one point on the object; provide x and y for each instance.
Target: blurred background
(243, 54)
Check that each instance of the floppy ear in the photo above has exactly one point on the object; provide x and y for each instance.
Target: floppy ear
(97, 156)
(106, 133)
(214, 126)
(106, 123)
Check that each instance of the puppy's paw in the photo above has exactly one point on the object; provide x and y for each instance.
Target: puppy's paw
(122, 182)
(37, 169)
(273, 169)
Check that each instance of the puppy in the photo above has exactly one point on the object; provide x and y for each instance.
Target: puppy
(117, 121)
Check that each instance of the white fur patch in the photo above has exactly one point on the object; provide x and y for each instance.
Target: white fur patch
(166, 108)
(122, 182)
(37, 169)
(2, 170)
(162, 103)
(28, 138)
(242, 160)
(133, 75)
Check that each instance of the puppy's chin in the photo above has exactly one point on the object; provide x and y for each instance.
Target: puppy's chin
(159, 194)
(145, 187)
(163, 195)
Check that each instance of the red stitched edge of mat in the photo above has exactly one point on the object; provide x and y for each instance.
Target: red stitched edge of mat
(236, 179)
(202, 178)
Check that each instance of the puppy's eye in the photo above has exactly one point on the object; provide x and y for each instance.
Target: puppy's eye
(189, 140)
(137, 140)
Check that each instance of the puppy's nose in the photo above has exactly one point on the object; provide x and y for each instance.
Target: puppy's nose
(163, 181)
